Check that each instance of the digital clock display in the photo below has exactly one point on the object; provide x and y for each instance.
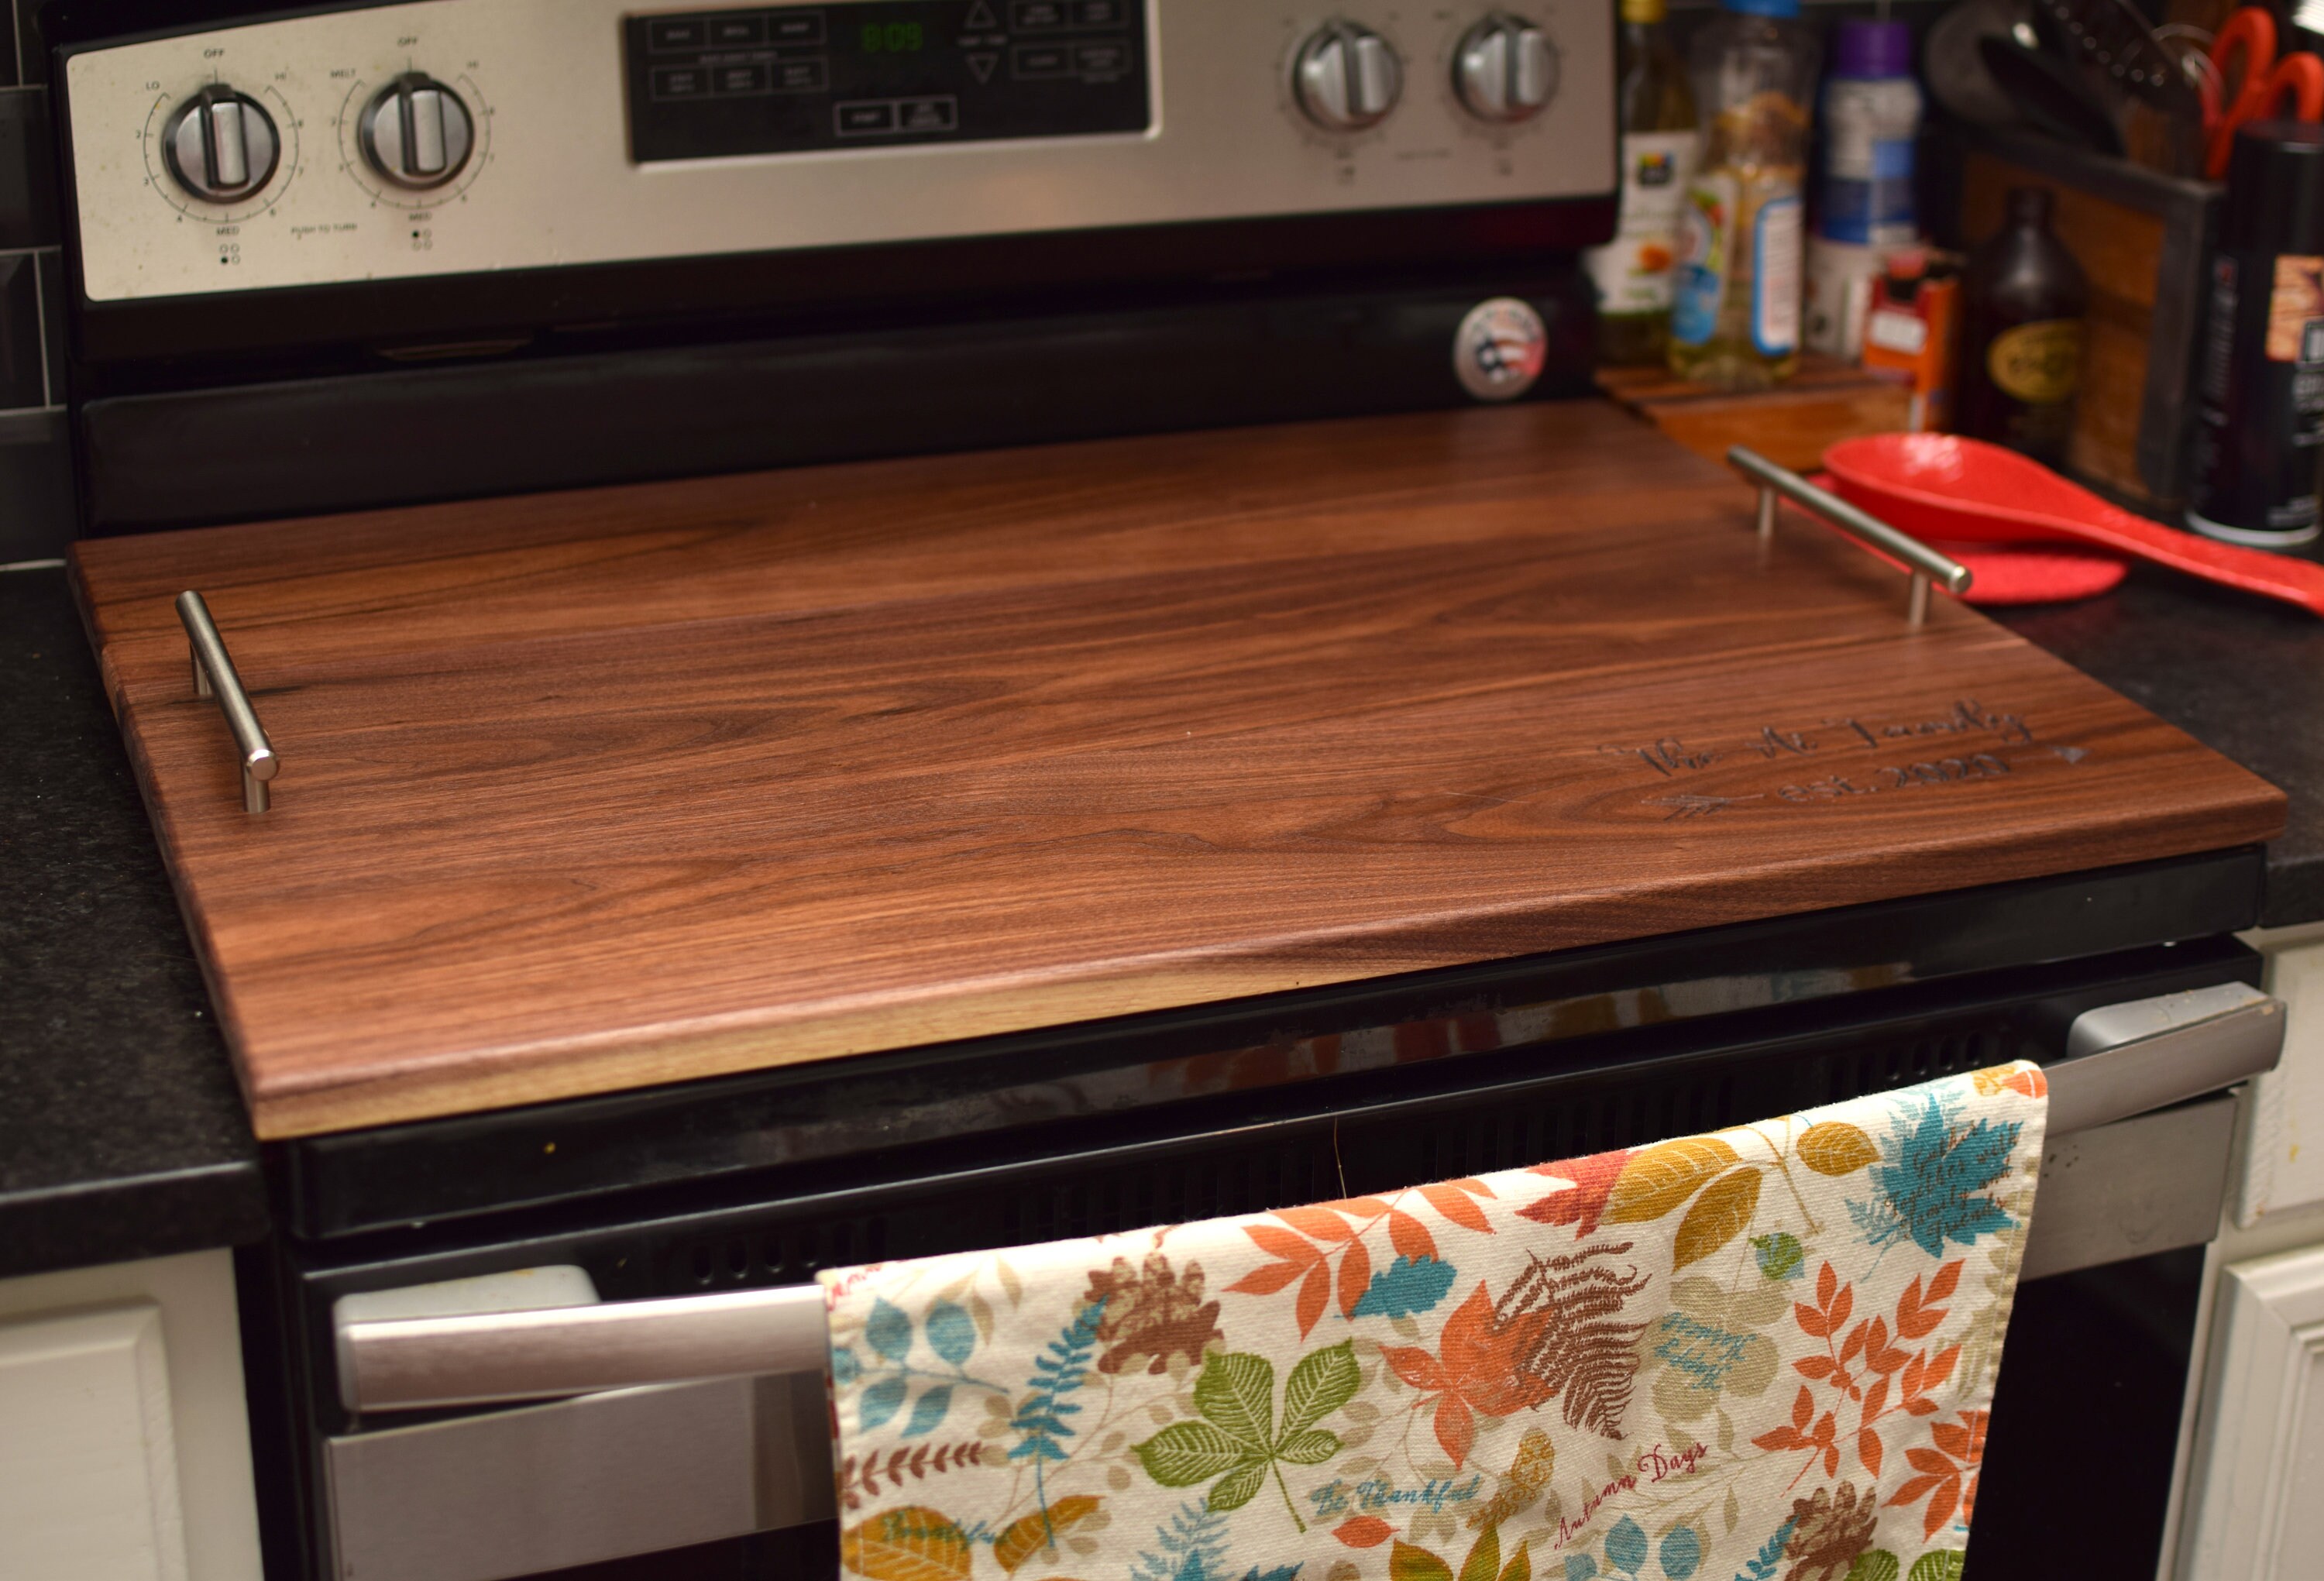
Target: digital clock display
(891, 37)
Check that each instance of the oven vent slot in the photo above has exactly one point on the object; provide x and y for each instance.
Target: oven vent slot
(1881, 1067)
(1310, 1161)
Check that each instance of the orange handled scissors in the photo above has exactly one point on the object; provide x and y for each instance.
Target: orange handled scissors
(2267, 84)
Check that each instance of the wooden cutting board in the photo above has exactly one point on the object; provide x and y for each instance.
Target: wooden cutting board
(591, 790)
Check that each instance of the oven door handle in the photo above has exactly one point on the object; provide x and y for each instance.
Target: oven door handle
(2121, 1060)
(2141, 1055)
(480, 1358)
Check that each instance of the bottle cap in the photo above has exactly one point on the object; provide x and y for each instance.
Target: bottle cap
(1646, 11)
(1872, 49)
(2276, 189)
(1777, 8)
(1908, 263)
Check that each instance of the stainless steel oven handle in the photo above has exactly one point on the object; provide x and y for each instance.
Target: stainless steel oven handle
(412, 1363)
(2123, 1059)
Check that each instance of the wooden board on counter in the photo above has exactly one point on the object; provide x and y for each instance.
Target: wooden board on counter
(1792, 424)
(586, 791)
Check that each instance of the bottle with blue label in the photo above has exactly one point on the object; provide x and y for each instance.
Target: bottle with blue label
(1735, 308)
(1871, 123)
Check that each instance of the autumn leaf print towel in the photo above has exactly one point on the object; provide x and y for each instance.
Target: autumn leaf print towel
(1766, 1353)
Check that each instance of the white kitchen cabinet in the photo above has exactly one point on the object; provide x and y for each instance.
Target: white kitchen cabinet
(2248, 1502)
(124, 1444)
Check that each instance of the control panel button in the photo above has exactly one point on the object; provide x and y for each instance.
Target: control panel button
(1505, 70)
(220, 145)
(1347, 77)
(417, 132)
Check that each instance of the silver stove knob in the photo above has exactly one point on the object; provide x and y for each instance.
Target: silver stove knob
(417, 132)
(1347, 77)
(220, 145)
(1505, 70)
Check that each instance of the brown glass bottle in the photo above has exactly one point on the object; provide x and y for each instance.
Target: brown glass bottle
(2022, 310)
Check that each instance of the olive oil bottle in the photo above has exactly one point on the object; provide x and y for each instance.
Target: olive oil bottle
(1655, 106)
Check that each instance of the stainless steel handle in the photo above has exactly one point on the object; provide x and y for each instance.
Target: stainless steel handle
(411, 1364)
(214, 673)
(2123, 1059)
(1925, 563)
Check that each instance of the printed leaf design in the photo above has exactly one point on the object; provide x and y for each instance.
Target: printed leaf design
(1626, 1545)
(1582, 1205)
(1450, 1199)
(1405, 1288)
(1189, 1452)
(1763, 1566)
(1240, 1486)
(1681, 1552)
(1408, 1563)
(1237, 1391)
(1654, 1182)
(1410, 1238)
(1941, 1565)
(859, 1479)
(1025, 1537)
(1484, 1561)
(1931, 1179)
(889, 1330)
(1835, 1147)
(928, 1411)
(1355, 1278)
(1874, 1564)
(1363, 1531)
(913, 1543)
(1191, 1545)
(1721, 1213)
(1528, 1476)
(1237, 1441)
(1557, 1331)
(1323, 1382)
(1781, 1255)
(876, 1404)
(952, 1332)
(1153, 1313)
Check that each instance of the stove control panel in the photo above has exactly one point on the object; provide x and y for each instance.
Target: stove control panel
(379, 142)
(799, 79)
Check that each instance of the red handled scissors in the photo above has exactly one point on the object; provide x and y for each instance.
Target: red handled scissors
(2267, 84)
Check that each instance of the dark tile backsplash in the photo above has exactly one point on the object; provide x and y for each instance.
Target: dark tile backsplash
(28, 185)
(23, 362)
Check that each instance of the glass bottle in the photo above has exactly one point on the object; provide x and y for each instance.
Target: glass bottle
(1656, 109)
(2022, 309)
(1735, 311)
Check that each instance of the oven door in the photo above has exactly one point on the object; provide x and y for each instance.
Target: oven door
(501, 1420)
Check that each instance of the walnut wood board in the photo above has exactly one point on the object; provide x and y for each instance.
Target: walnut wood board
(591, 790)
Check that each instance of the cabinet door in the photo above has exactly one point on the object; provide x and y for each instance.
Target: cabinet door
(89, 1463)
(2257, 1498)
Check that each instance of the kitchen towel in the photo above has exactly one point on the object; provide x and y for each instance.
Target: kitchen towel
(1765, 1353)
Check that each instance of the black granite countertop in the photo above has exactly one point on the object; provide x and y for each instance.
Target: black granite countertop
(2243, 675)
(121, 1132)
